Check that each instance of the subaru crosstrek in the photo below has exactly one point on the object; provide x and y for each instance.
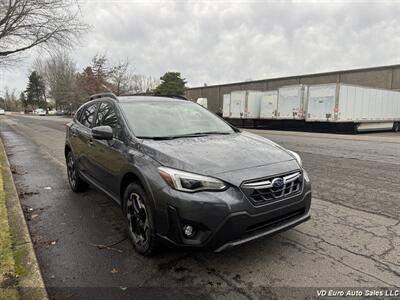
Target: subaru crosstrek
(182, 174)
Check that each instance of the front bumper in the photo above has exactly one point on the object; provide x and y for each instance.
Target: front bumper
(276, 227)
(227, 219)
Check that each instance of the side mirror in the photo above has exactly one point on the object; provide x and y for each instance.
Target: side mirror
(102, 133)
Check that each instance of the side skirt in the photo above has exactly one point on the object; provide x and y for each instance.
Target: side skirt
(100, 188)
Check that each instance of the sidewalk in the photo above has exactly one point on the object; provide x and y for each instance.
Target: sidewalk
(20, 276)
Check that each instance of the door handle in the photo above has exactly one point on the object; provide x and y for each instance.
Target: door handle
(73, 132)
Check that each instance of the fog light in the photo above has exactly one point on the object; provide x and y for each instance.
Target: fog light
(188, 231)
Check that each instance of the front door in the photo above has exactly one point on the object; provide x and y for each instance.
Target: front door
(109, 158)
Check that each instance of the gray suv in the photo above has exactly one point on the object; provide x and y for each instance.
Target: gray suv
(182, 174)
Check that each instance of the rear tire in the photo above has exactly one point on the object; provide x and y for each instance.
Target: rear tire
(75, 182)
(139, 216)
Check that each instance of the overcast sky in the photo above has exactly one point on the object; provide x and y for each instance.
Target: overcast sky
(219, 42)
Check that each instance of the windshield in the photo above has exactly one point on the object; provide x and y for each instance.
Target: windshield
(160, 119)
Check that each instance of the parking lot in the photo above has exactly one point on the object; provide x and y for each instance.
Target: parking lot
(352, 239)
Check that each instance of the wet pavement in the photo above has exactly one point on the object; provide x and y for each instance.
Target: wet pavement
(352, 240)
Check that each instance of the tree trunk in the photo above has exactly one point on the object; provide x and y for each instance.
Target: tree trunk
(45, 102)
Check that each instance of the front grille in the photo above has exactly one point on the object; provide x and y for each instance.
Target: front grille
(267, 190)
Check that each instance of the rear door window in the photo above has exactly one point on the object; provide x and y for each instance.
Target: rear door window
(78, 114)
(87, 116)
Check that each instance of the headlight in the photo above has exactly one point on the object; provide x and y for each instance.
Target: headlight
(189, 182)
(297, 157)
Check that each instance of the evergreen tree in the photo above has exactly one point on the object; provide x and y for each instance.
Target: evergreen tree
(171, 84)
(22, 100)
(35, 92)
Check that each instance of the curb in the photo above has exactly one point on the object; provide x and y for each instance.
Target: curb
(31, 285)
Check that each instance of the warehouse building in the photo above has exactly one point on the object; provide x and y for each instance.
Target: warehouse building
(386, 77)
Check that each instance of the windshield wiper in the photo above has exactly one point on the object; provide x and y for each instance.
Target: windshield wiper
(213, 132)
(154, 137)
(168, 137)
(188, 135)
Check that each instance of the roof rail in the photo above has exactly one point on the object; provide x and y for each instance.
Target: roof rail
(154, 95)
(103, 95)
(177, 97)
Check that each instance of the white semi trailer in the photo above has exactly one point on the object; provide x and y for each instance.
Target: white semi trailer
(245, 104)
(203, 102)
(368, 108)
(226, 106)
(269, 105)
(291, 102)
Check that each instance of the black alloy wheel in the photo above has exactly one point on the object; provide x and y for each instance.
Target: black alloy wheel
(139, 217)
(75, 182)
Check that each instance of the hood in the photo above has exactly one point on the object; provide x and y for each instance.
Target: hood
(216, 154)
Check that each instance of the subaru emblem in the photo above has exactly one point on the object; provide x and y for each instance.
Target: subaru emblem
(277, 182)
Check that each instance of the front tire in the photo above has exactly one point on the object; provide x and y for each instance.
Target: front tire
(140, 220)
(75, 182)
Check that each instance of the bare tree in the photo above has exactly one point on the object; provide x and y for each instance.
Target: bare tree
(25, 24)
(11, 102)
(100, 67)
(70, 88)
(151, 83)
(59, 73)
(101, 72)
(61, 78)
(141, 83)
(136, 83)
(120, 77)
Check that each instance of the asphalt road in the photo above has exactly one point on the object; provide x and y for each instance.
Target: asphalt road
(352, 240)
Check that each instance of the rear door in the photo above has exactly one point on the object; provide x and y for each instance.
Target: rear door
(109, 158)
(268, 106)
(289, 105)
(252, 109)
(72, 134)
(238, 100)
(321, 102)
(226, 108)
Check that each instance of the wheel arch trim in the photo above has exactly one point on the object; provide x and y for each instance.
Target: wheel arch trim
(132, 175)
